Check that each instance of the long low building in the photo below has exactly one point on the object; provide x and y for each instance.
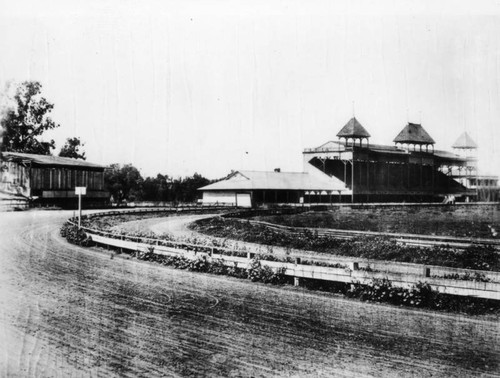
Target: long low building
(252, 188)
(50, 179)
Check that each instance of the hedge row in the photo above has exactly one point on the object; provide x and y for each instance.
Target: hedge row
(380, 248)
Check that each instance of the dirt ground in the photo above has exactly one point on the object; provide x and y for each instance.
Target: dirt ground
(66, 311)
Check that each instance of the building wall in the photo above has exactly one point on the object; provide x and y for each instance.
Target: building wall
(66, 179)
(219, 197)
(15, 179)
(47, 182)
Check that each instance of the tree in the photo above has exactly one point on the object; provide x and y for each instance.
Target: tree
(123, 182)
(71, 149)
(189, 187)
(25, 118)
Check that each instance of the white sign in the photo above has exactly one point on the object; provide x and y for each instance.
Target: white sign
(82, 190)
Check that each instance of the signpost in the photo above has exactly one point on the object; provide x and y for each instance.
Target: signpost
(80, 191)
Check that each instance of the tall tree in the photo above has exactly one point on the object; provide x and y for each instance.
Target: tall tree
(71, 149)
(25, 118)
(123, 182)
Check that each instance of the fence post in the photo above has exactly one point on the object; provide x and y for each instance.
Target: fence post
(427, 271)
(296, 280)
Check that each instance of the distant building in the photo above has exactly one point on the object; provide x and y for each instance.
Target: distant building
(352, 169)
(411, 170)
(485, 185)
(253, 188)
(50, 179)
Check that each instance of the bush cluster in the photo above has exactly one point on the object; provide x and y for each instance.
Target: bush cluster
(381, 248)
(381, 290)
(256, 271)
(75, 235)
(420, 295)
(475, 276)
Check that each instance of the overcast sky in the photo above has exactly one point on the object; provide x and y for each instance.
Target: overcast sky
(178, 87)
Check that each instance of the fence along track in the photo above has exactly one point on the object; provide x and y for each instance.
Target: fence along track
(408, 239)
(486, 290)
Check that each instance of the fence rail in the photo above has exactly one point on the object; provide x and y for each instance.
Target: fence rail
(487, 290)
(230, 257)
(408, 239)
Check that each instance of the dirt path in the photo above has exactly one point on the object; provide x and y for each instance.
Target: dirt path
(177, 226)
(66, 311)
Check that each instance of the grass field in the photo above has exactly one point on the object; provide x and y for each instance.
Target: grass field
(483, 222)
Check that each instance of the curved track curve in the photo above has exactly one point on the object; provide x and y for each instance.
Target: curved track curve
(66, 311)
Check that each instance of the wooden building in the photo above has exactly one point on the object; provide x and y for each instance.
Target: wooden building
(411, 170)
(51, 180)
(485, 185)
(254, 188)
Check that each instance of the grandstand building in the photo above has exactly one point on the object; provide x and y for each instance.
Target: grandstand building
(411, 170)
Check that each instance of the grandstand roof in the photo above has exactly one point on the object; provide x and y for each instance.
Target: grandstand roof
(266, 180)
(464, 141)
(353, 129)
(414, 133)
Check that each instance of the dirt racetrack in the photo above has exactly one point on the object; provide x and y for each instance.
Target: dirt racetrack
(66, 311)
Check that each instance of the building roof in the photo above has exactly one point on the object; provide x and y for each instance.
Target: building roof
(353, 129)
(464, 141)
(49, 161)
(414, 133)
(339, 146)
(265, 180)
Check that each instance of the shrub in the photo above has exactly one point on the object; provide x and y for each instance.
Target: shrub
(475, 276)
(75, 235)
(258, 272)
(381, 290)
(199, 264)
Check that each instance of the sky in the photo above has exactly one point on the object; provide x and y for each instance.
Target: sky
(177, 87)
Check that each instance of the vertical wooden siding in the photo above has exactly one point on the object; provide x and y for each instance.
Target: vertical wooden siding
(65, 179)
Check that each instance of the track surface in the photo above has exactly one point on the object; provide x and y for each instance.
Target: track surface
(72, 312)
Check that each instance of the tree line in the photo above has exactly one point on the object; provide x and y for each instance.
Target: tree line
(25, 117)
(125, 183)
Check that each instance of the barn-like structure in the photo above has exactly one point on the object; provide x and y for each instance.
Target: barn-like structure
(51, 180)
(254, 188)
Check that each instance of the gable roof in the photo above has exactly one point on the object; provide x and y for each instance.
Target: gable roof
(266, 180)
(464, 141)
(353, 129)
(49, 161)
(414, 133)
